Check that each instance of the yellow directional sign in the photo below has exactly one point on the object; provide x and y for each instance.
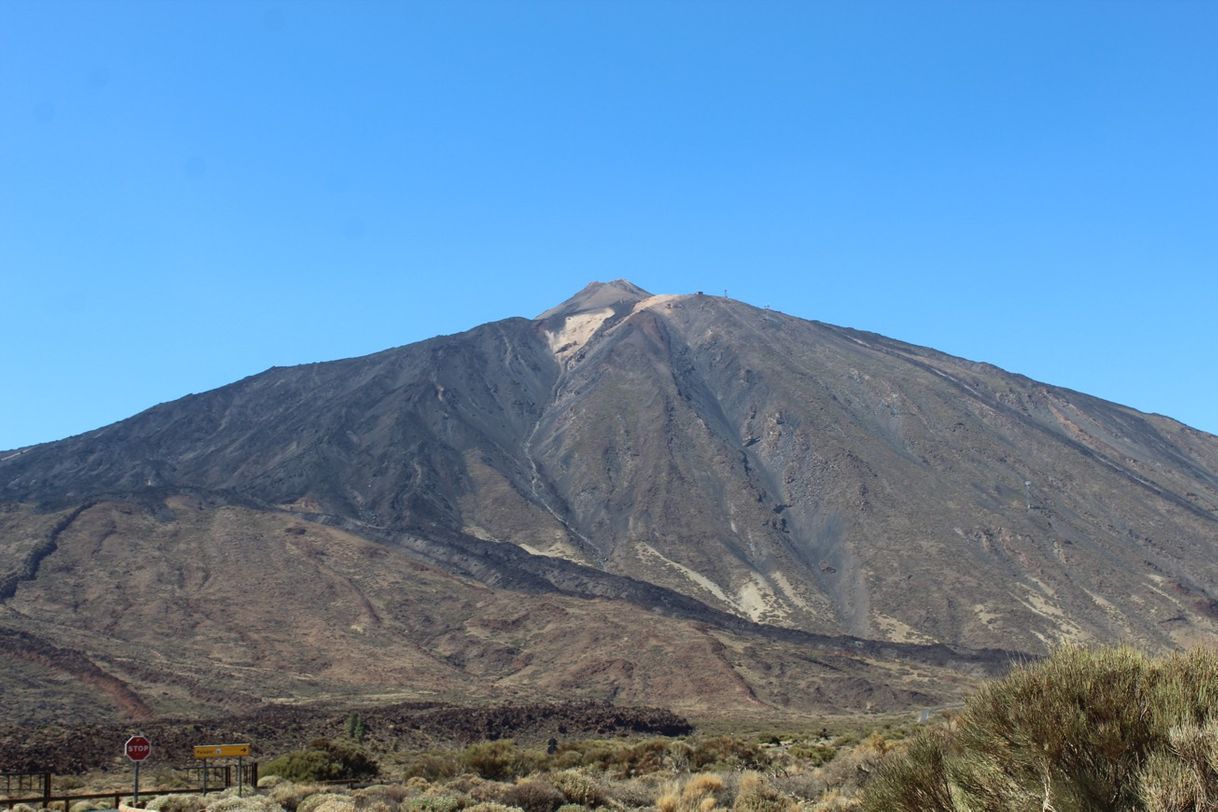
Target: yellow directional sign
(221, 750)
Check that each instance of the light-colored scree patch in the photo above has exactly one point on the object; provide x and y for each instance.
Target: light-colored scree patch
(575, 332)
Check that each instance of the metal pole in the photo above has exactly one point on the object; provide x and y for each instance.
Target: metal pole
(135, 800)
(203, 770)
(240, 775)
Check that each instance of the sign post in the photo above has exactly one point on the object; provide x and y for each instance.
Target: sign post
(237, 751)
(137, 749)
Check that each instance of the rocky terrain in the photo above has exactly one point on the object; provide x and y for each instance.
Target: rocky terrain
(674, 500)
(80, 748)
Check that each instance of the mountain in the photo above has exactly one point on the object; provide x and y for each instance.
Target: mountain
(675, 499)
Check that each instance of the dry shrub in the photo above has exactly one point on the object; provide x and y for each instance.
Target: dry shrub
(177, 803)
(500, 760)
(326, 802)
(634, 793)
(469, 784)
(755, 794)
(578, 788)
(727, 752)
(84, 806)
(434, 766)
(1168, 785)
(801, 784)
(1080, 730)
(22, 808)
(652, 755)
(289, 795)
(437, 802)
(336, 805)
(381, 797)
(270, 781)
(622, 759)
(915, 779)
(699, 793)
(533, 795)
(572, 808)
(835, 801)
(491, 807)
(249, 803)
(702, 785)
(670, 799)
(813, 753)
(487, 791)
(378, 803)
(851, 768)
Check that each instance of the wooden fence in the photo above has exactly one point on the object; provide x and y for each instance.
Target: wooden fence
(39, 785)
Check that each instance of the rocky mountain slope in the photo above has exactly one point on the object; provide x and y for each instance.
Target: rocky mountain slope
(589, 502)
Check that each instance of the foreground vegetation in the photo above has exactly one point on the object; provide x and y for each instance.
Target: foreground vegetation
(1083, 730)
(814, 770)
(1080, 731)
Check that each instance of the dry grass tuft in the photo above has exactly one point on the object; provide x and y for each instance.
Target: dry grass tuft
(835, 801)
(699, 793)
(755, 794)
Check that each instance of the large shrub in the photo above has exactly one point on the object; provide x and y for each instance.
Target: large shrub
(1080, 731)
(499, 760)
(324, 760)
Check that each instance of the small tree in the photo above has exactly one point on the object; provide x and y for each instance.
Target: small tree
(355, 728)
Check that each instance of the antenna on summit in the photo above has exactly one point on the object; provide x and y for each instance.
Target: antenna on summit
(725, 293)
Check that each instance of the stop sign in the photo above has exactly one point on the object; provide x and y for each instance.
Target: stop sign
(138, 748)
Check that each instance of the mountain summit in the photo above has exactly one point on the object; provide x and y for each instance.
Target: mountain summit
(771, 482)
(616, 295)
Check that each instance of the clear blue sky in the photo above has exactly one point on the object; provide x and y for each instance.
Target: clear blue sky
(193, 192)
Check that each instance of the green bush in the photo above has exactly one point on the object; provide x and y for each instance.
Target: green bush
(323, 761)
(1080, 731)
(812, 752)
(622, 758)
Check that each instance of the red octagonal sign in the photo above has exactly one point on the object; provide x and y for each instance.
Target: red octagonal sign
(138, 748)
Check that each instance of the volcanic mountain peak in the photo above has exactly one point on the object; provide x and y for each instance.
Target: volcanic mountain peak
(620, 294)
(760, 480)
